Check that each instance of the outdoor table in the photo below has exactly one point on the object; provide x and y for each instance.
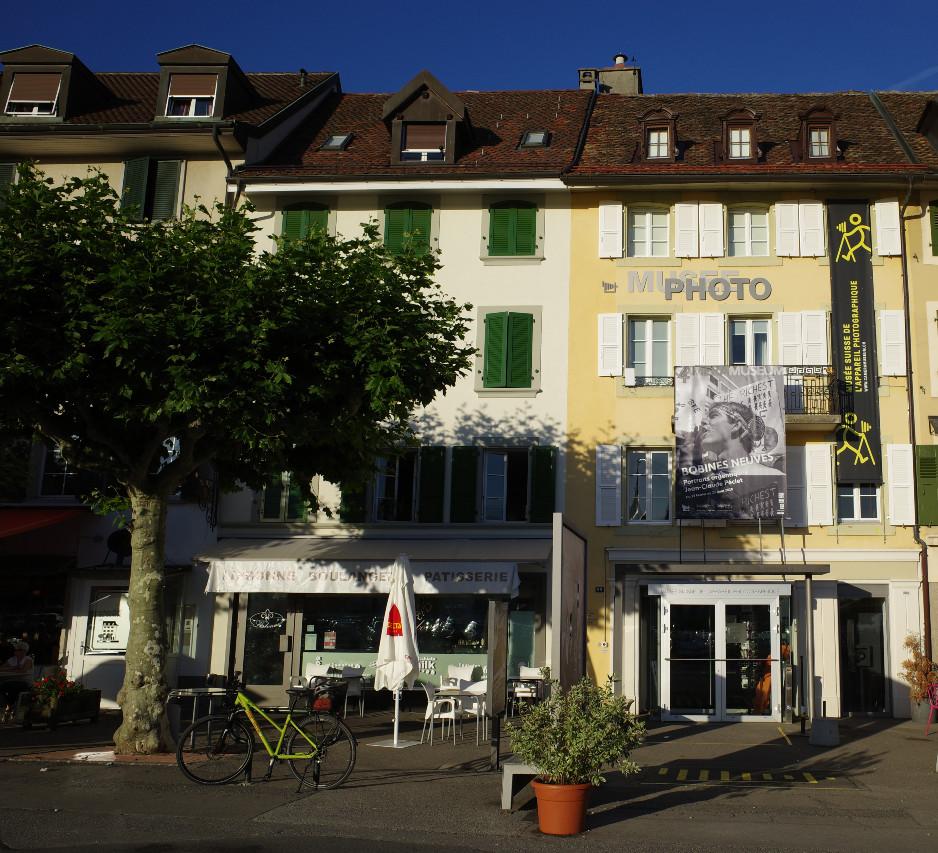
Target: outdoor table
(456, 694)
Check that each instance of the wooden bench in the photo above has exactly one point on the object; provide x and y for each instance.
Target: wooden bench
(516, 778)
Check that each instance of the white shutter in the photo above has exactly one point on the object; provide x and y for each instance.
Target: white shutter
(711, 230)
(887, 227)
(610, 344)
(610, 230)
(789, 338)
(900, 465)
(819, 482)
(608, 485)
(796, 499)
(686, 340)
(786, 229)
(814, 337)
(811, 228)
(712, 339)
(892, 343)
(686, 226)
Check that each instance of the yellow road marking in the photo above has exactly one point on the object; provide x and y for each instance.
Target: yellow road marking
(767, 777)
(746, 777)
(681, 775)
(781, 731)
(724, 775)
(704, 776)
(809, 778)
(662, 771)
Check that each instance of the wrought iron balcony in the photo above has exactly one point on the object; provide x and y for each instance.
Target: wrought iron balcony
(812, 393)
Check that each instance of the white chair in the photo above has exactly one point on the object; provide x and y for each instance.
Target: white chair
(474, 705)
(527, 688)
(440, 708)
(317, 670)
(355, 688)
(455, 674)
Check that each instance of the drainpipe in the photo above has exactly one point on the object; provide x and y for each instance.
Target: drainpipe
(916, 529)
(216, 138)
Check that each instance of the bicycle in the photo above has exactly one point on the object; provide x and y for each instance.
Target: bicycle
(217, 748)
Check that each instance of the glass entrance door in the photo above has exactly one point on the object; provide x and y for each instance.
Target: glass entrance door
(720, 659)
(266, 640)
(862, 656)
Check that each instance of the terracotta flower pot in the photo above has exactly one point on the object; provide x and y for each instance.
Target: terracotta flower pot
(561, 809)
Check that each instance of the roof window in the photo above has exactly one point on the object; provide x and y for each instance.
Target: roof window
(535, 139)
(336, 142)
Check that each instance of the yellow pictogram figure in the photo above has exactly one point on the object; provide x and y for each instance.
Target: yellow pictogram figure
(860, 231)
(862, 452)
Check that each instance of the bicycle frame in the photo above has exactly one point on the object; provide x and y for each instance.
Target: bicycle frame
(249, 708)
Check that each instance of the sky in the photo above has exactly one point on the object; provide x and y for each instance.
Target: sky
(681, 46)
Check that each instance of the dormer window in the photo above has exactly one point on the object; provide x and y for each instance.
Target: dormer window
(817, 139)
(423, 142)
(535, 139)
(34, 94)
(819, 142)
(740, 143)
(191, 95)
(659, 137)
(657, 146)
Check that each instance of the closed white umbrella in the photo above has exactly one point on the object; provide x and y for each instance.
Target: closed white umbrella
(398, 662)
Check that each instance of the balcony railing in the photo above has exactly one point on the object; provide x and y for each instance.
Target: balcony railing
(811, 391)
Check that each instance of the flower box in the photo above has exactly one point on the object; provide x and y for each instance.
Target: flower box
(81, 705)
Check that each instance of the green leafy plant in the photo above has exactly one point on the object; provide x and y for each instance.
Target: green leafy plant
(574, 734)
(52, 688)
(918, 671)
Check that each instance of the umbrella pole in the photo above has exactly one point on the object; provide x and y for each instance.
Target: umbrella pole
(397, 713)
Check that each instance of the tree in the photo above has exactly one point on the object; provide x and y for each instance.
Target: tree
(116, 335)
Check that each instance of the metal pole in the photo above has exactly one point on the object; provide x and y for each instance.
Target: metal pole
(809, 644)
(397, 712)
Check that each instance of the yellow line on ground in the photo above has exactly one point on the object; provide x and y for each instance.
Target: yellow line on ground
(681, 775)
(767, 777)
(809, 778)
(724, 775)
(781, 731)
(662, 771)
(704, 776)
(746, 777)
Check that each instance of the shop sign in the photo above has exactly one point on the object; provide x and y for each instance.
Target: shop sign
(741, 590)
(715, 285)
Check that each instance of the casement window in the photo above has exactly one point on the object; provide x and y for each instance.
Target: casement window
(407, 225)
(34, 94)
(817, 136)
(191, 95)
(799, 229)
(151, 188)
(508, 350)
(657, 143)
(658, 135)
(819, 141)
(933, 227)
(648, 233)
(502, 484)
(648, 486)
(512, 229)
(282, 500)
(649, 351)
(740, 143)
(857, 502)
(58, 477)
(749, 341)
(748, 232)
(394, 493)
(422, 142)
(300, 219)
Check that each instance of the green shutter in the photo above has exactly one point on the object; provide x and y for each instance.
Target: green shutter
(273, 494)
(526, 230)
(299, 221)
(432, 475)
(520, 342)
(926, 483)
(7, 174)
(317, 217)
(419, 230)
(134, 191)
(352, 505)
(543, 467)
(296, 503)
(396, 224)
(494, 372)
(165, 190)
(501, 230)
(933, 221)
(464, 484)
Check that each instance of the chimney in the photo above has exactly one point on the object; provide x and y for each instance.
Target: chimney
(620, 78)
(303, 78)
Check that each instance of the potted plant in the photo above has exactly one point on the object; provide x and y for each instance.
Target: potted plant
(918, 672)
(571, 737)
(56, 699)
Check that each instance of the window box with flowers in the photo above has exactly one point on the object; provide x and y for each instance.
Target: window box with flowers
(55, 699)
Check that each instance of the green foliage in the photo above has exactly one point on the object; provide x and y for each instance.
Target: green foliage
(572, 736)
(116, 335)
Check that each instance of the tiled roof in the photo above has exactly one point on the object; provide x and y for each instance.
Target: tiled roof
(906, 109)
(498, 119)
(614, 135)
(130, 97)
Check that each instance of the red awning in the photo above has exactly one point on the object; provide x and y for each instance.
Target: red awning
(15, 520)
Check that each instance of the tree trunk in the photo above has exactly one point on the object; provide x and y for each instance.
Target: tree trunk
(143, 697)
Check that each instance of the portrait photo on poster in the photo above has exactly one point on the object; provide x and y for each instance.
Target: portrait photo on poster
(729, 426)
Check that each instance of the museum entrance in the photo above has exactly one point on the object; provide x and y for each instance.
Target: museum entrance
(720, 650)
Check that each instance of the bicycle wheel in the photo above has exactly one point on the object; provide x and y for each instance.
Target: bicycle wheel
(330, 764)
(214, 750)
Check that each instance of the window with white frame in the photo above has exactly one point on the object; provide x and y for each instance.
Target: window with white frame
(191, 95)
(34, 93)
(740, 143)
(819, 142)
(657, 143)
(858, 502)
(59, 478)
(648, 233)
(505, 484)
(749, 341)
(394, 487)
(648, 486)
(749, 232)
(649, 349)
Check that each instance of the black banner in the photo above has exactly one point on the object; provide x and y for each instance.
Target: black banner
(853, 340)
